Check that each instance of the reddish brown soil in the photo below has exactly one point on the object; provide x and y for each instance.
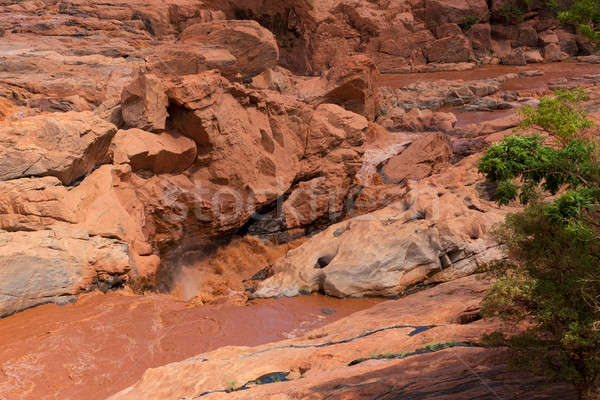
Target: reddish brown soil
(104, 343)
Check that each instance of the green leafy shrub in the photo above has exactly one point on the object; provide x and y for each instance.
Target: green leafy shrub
(468, 22)
(511, 13)
(583, 14)
(553, 282)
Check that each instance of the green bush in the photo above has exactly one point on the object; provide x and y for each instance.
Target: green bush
(468, 22)
(583, 14)
(553, 278)
(511, 13)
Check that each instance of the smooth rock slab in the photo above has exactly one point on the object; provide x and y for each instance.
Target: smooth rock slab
(49, 266)
(426, 155)
(319, 365)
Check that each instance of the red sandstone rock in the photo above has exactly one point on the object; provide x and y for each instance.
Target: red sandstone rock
(160, 153)
(481, 39)
(253, 46)
(50, 265)
(455, 11)
(436, 232)
(527, 35)
(533, 56)
(515, 57)
(426, 120)
(425, 156)
(144, 103)
(176, 59)
(553, 52)
(449, 50)
(65, 145)
(351, 84)
(31, 204)
(226, 150)
(548, 37)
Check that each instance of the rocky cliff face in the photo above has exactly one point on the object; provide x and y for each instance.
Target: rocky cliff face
(402, 35)
(158, 129)
(141, 137)
(152, 130)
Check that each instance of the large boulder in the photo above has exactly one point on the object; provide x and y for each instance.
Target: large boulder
(515, 57)
(54, 265)
(211, 111)
(253, 46)
(436, 232)
(280, 140)
(547, 37)
(454, 11)
(332, 154)
(425, 156)
(567, 42)
(528, 36)
(127, 196)
(480, 36)
(176, 59)
(104, 205)
(351, 84)
(65, 145)
(144, 103)
(331, 126)
(451, 49)
(425, 120)
(553, 52)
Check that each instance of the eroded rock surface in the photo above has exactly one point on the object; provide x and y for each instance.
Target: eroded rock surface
(66, 145)
(144, 144)
(253, 46)
(436, 231)
(160, 153)
(404, 36)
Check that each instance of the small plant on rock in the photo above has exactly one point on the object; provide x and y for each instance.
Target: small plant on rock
(583, 14)
(468, 22)
(511, 13)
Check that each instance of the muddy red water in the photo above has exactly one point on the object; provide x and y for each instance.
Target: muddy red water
(552, 72)
(104, 343)
(474, 117)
